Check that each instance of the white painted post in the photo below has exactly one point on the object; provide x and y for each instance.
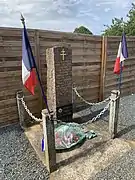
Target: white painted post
(114, 112)
(49, 140)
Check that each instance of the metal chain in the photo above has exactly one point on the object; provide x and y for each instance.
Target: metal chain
(59, 121)
(101, 113)
(105, 109)
(28, 111)
(89, 103)
(97, 116)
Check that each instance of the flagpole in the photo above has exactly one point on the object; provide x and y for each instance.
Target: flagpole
(120, 77)
(42, 90)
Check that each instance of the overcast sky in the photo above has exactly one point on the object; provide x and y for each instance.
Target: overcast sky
(63, 15)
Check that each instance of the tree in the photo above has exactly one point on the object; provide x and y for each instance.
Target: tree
(118, 24)
(82, 30)
(130, 30)
(116, 28)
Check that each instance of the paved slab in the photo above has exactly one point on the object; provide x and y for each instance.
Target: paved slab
(92, 163)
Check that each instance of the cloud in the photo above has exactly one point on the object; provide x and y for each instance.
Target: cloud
(62, 15)
(107, 9)
(114, 3)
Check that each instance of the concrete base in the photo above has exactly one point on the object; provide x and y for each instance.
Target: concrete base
(92, 161)
(86, 161)
(34, 135)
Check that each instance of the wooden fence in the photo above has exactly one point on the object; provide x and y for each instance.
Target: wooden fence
(93, 59)
(128, 76)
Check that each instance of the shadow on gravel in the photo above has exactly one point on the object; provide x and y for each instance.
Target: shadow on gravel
(126, 130)
(85, 118)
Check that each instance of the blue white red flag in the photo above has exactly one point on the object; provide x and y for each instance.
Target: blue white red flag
(121, 56)
(28, 64)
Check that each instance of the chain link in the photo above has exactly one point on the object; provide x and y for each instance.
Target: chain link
(89, 103)
(28, 111)
(97, 116)
(101, 113)
(59, 121)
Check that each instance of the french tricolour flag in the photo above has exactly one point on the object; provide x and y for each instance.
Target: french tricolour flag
(28, 64)
(121, 56)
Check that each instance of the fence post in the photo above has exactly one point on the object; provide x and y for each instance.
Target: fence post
(114, 112)
(49, 140)
(103, 68)
(21, 111)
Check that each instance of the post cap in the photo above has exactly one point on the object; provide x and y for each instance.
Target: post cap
(19, 94)
(117, 92)
(45, 112)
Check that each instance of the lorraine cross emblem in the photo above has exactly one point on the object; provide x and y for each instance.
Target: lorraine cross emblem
(63, 54)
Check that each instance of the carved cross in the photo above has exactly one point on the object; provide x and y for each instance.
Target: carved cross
(63, 54)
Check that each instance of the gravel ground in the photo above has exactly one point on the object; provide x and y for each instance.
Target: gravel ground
(126, 123)
(127, 118)
(18, 160)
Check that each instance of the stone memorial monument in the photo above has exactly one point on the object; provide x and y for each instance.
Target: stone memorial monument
(59, 81)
